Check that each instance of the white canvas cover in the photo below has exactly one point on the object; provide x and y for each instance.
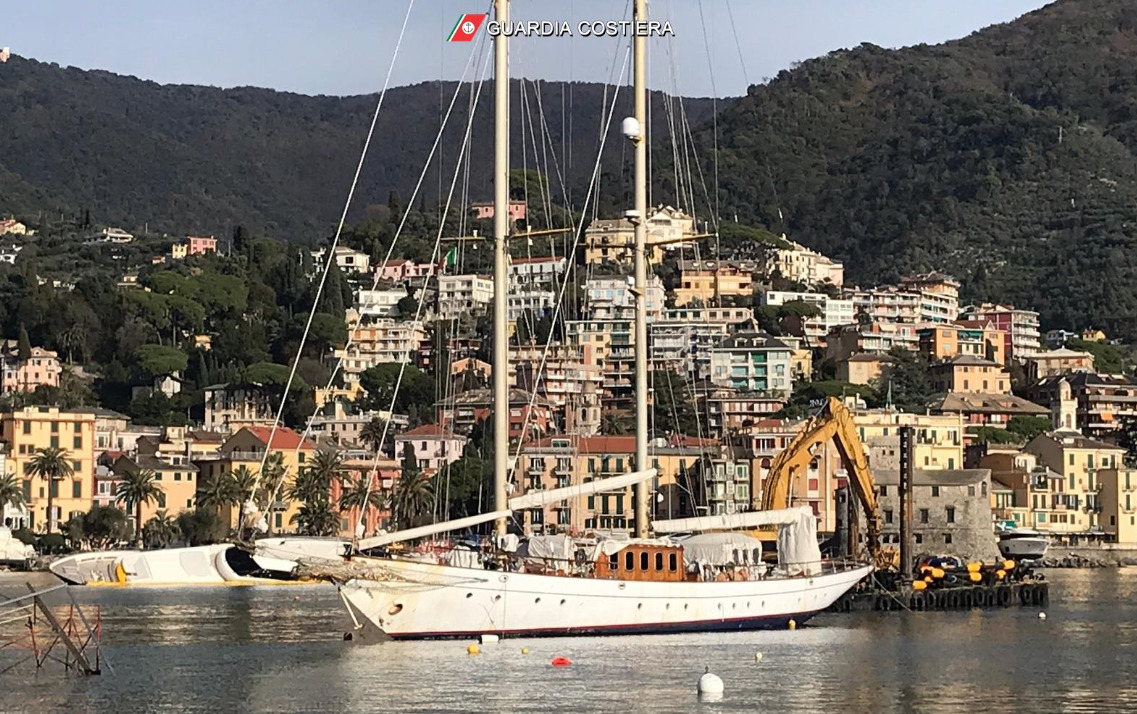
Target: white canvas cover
(551, 547)
(722, 549)
(798, 551)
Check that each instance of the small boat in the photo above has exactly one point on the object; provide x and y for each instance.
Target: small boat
(275, 562)
(1022, 544)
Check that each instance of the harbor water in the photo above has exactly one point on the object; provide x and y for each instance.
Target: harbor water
(281, 649)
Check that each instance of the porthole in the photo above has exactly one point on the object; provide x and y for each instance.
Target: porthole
(469, 595)
(640, 606)
(562, 602)
(395, 609)
(496, 598)
(537, 601)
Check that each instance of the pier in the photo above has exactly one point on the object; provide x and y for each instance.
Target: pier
(1027, 594)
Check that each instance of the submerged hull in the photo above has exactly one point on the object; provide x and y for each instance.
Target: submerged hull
(427, 601)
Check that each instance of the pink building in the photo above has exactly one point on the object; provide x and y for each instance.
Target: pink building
(40, 369)
(199, 246)
(434, 446)
(400, 269)
(485, 210)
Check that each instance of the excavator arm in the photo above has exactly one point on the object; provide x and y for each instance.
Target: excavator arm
(836, 423)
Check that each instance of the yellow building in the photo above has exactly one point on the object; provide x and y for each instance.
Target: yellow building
(613, 241)
(702, 282)
(1119, 504)
(247, 448)
(939, 439)
(563, 461)
(176, 482)
(970, 375)
(864, 368)
(30, 429)
(1080, 461)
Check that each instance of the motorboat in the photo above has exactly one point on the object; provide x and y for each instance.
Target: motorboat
(1022, 544)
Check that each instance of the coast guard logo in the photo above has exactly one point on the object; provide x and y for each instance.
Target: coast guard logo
(466, 27)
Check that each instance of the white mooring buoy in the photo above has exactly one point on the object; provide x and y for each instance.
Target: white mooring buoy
(710, 683)
(1042, 615)
(488, 639)
(757, 656)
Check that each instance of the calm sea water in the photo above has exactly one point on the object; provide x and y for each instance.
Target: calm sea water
(262, 649)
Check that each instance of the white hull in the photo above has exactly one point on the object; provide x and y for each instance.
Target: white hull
(1024, 547)
(430, 601)
(220, 564)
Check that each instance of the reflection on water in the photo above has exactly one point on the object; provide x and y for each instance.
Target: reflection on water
(280, 649)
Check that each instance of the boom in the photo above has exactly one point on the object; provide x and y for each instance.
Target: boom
(836, 423)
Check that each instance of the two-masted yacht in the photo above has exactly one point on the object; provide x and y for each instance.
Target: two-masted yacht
(692, 575)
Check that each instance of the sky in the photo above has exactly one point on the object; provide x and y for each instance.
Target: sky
(345, 47)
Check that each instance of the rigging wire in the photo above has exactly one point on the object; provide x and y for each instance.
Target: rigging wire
(330, 254)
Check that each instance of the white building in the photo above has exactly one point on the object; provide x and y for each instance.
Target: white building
(378, 304)
(717, 315)
(462, 294)
(612, 299)
(804, 265)
(834, 312)
(753, 362)
(349, 260)
(112, 235)
(380, 342)
(8, 255)
(546, 271)
(685, 345)
(537, 300)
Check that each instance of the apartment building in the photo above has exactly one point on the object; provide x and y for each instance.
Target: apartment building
(612, 241)
(28, 430)
(971, 375)
(612, 344)
(381, 342)
(1055, 363)
(730, 410)
(463, 294)
(40, 369)
(753, 361)
(1095, 404)
(612, 298)
(543, 271)
(200, 245)
(834, 313)
(349, 260)
(872, 338)
(379, 303)
(685, 346)
(1023, 338)
(229, 407)
(434, 447)
(864, 368)
(703, 282)
(962, 338)
(939, 438)
(1081, 461)
(796, 262)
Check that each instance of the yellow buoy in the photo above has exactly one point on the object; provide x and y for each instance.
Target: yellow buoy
(974, 567)
(757, 656)
(524, 650)
(473, 650)
(928, 579)
(1000, 574)
(793, 625)
(1008, 565)
(976, 577)
(937, 573)
(919, 585)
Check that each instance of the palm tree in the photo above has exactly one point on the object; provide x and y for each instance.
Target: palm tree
(217, 492)
(11, 492)
(244, 482)
(327, 466)
(373, 433)
(412, 498)
(137, 489)
(51, 464)
(362, 494)
(316, 520)
(161, 530)
(271, 485)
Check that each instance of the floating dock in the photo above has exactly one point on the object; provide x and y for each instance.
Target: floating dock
(1027, 594)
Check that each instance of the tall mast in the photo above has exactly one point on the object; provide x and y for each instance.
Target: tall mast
(643, 489)
(500, 267)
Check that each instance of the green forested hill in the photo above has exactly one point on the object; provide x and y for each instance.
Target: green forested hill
(1006, 158)
(188, 158)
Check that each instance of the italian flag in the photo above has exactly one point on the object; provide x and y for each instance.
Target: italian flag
(466, 27)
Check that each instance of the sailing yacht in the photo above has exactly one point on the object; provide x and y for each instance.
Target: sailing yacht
(682, 579)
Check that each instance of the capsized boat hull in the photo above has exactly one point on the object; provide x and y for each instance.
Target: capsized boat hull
(429, 601)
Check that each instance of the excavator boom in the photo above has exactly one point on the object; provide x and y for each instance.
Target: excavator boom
(834, 422)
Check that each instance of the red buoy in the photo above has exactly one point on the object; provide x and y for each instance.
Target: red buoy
(561, 661)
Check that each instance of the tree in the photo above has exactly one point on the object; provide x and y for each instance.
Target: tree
(1108, 359)
(11, 492)
(103, 526)
(616, 422)
(908, 377)
(379, 382)
(159, 361)
(24, 345)
(673, 405)
(413, 494)
(202, 526)
(464, 483)
(161, 531)
(313, 487)
(216, 493)
(373, 432)
(1028, 427)
(51, 464)
(137, 489)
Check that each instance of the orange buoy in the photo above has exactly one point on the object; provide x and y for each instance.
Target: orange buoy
(561, 661)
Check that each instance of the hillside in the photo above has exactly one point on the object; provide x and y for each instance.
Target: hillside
(1006, 158)
(189, 158)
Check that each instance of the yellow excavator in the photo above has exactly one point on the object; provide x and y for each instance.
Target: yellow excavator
(836, 423)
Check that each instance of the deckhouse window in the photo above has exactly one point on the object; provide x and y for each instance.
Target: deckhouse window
(629, 561)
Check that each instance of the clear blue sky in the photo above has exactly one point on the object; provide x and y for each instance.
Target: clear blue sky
(344, 46)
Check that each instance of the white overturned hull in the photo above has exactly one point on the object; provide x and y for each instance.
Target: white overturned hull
(219, 564)
(428, 601)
